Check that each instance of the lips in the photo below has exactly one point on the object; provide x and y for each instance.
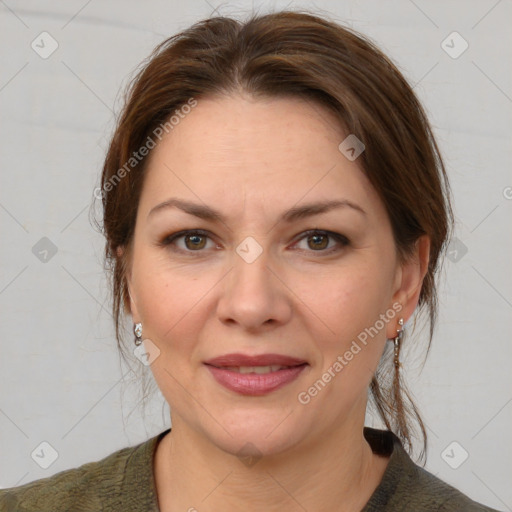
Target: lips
(255, 375)
(260, 360)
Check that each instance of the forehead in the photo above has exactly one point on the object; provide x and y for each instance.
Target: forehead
(268, 152)
(270, 128)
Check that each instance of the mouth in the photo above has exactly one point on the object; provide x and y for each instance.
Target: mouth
(255, 375)
(260, 370)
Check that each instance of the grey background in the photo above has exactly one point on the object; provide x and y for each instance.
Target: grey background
(61, 379)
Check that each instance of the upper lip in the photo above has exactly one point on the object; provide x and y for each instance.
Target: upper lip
(257, 360)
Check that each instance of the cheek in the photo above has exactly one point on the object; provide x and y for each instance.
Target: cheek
(172, 310)
(351, 300)
(353, 306)
(171, 301)
(353, 309)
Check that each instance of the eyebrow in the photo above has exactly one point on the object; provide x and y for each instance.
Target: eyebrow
(293, 214)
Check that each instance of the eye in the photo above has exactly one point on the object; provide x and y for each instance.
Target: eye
(194, 240)
(318, 241)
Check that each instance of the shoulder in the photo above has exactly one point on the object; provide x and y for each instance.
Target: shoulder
(406, 486)
(82, 486)
(431, 493)
(120, 480)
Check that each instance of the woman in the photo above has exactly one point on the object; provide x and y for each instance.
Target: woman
(275, 210)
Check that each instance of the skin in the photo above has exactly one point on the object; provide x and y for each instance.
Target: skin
(252, 159)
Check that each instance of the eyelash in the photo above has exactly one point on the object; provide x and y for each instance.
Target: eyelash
(342, 240)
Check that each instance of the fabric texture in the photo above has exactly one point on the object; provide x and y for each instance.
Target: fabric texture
(124, 481)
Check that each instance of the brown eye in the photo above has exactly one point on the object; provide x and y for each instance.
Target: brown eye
(318, 241)
(195, 241)
(187, 241)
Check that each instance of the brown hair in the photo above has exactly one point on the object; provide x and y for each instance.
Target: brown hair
(299, 54)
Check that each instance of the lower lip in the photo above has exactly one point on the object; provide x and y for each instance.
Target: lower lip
(255, 384)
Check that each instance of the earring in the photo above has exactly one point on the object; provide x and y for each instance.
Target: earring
(399, 407)
(397, 341)
(137, 329)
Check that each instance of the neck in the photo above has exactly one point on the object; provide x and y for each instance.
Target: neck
(338, 471)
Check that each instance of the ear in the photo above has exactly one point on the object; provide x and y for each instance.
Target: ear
(132, 306)
(409, 281)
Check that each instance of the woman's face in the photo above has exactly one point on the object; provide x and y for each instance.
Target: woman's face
(255, 283)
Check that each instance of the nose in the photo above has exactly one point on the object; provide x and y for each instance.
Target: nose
(254, 295)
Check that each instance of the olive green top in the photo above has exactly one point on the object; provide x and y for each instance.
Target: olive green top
(124, 482)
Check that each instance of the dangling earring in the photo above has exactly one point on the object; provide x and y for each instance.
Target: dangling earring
(399, 406)
(397, 342)
(137, 329)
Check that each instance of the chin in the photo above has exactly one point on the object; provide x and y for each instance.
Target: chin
(256, 434)
(254, 445)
